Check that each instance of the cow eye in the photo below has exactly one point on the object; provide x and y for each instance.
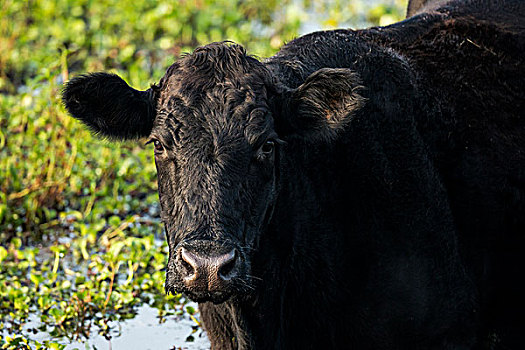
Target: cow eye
(158, 145)
(267, 147)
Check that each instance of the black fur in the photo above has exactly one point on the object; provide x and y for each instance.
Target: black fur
(109, 107)
(371, 183)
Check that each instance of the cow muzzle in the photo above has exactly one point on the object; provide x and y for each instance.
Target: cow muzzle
(208, 271)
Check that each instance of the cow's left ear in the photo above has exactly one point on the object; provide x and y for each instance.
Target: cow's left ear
(322, 105)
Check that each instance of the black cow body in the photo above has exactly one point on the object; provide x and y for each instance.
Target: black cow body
(359, 189)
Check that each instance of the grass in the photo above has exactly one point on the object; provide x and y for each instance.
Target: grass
(81, 243)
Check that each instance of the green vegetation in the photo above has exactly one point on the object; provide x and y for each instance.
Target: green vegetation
(79, 216)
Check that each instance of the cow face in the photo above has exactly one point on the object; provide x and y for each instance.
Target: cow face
(216, 154)
(218, 146)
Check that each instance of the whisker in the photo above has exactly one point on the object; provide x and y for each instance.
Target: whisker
(254, 277)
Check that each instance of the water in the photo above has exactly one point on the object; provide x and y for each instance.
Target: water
(144, 332)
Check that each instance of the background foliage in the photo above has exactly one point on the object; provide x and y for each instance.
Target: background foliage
(79, 220)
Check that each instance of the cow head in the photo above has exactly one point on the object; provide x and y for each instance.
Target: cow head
(217, 121)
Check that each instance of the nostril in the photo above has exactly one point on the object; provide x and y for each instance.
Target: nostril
(226, 269)
(187, 268)
(188, 263)
(207, 270)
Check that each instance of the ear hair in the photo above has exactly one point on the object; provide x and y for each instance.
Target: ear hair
(324, 103)
(109, 107)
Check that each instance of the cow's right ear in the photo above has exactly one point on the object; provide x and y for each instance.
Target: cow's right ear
(109, 106)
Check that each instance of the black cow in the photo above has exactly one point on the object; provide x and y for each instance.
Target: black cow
(358, 190)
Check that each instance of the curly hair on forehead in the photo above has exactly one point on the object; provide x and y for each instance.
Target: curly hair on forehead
(220, 70)
(218, 62)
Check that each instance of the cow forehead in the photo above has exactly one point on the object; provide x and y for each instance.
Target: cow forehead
(224, 108)
(212, 64)
(214, 96)
(218, 72)
(224, 119)
(200, 89)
